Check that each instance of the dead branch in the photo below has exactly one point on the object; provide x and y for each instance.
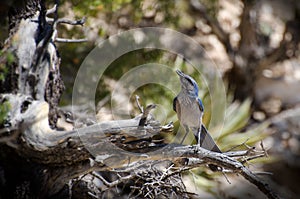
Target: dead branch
(55, 21)
(63, 40)
(67, 21)
(52, 10)
(138, 103)
(235, 166)
(72, 22)
(145, 115)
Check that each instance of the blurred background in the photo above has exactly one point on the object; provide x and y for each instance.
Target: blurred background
(255, 46)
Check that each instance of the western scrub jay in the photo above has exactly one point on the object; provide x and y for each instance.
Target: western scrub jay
(189, 109)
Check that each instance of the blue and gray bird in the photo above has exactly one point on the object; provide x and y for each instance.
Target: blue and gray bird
(189, 109)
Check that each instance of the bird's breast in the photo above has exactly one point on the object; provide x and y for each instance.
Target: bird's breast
(190, 113)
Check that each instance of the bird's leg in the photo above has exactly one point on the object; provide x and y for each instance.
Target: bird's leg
(197, 133)
(186, 128)
(199, 136)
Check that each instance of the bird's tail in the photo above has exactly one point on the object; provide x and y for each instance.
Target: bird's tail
(207, 142)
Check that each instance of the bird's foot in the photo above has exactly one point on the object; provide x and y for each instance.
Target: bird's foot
(198, 147)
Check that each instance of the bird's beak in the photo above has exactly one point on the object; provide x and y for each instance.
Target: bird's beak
(181, 74)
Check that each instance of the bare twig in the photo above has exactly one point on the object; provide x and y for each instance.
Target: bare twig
(242, 144)
(224, 174)
(114, 183)
(237, 153)
(262, 173)
(7, 130)
(52, 10)
(263, 148)
(71, 22)
(63, 40)
(145, 115)
(252, 158)
(67, 21)
(236, 166)
(166, 171)
(93, 195)
(178, 171)
(137, 99)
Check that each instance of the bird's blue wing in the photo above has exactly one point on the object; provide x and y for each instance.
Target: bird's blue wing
(200, 104)
(196, 88)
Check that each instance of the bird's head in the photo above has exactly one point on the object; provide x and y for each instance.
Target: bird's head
(188, 84)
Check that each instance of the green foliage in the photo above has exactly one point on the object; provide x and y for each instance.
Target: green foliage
(10, 58)
(7, 59)
(173, 14)
(100, 5)
(237, 116)
(3, 72)
(249, 137)
(4, 109)
(124, 64)
(93, 7)
(211, 6)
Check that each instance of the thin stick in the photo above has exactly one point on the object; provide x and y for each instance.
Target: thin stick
(62, 40)
(137, 98)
